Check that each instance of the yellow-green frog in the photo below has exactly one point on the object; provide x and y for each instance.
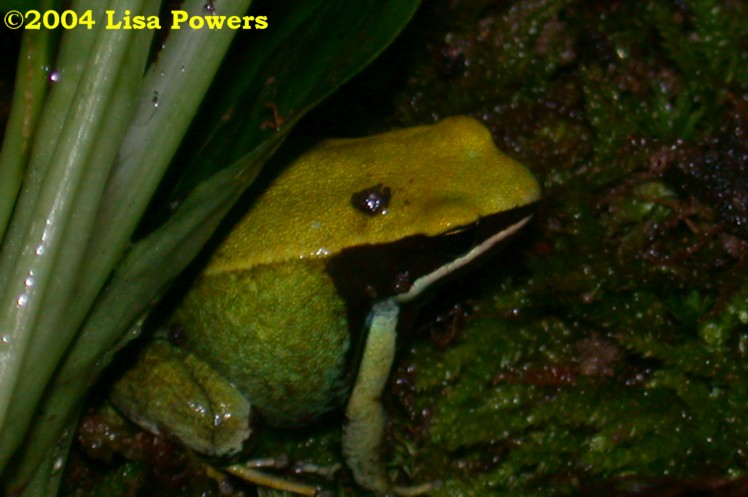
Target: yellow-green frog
(296, 312)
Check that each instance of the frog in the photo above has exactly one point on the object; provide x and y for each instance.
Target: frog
(297, 312)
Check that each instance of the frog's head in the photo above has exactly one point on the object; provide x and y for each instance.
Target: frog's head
(426, 181)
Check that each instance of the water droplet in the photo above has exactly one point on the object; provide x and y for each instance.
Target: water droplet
(181, 68)
(6, 339)
(23, 299)
(55, 76)
(40, 250)
(154, 100)
(30, 281)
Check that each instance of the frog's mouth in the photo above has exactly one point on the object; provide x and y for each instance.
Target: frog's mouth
(407, 268)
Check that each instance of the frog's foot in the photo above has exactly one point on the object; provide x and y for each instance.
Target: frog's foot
(364, 430)
(170, 390)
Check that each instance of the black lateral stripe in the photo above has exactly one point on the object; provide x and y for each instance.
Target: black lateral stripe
(369, 273)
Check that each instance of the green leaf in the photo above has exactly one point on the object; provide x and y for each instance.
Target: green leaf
(30, 92)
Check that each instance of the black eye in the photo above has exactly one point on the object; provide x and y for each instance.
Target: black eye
(372, 200)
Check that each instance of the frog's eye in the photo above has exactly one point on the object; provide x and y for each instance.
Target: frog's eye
(372, 200)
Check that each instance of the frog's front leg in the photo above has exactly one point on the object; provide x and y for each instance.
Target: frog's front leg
(363, 433)
(364, 430)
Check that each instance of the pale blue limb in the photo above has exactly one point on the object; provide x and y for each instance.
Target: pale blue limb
(364, 430)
